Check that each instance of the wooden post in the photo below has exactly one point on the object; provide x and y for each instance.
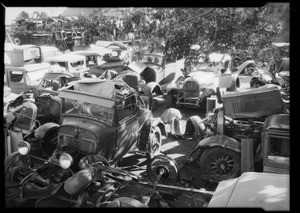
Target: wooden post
(247, 161)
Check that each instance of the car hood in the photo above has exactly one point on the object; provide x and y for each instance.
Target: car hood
(101, 129)
(205, 79)
(268, 191)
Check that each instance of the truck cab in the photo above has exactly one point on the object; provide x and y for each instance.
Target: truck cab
(276, 144)
(74, 64)
(24, 68)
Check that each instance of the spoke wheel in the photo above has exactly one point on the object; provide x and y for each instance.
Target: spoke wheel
(219, 164)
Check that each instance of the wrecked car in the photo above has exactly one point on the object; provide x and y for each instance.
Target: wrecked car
(253, 77)
(74, 64)
(24, 68)
(95, 121)
(217, 150)
(194, 89)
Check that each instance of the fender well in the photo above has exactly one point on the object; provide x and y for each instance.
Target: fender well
(216, 140)
(158, 122)
(222, 141)
(42, 131)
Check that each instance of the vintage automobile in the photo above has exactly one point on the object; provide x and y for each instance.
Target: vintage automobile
(217, 151)
(74, 64)
(194, 89)
(95, 62)
(24, 68)
(251, 76)
(149, 80)
(102, 118)
(55, 79)
(266, 191)
(49, 51)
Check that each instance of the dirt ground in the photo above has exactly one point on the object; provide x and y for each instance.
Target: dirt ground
(175, 149)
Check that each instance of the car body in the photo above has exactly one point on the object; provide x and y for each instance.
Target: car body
(219, 153)
(93, 59)
(49, 51)
(74, 64)
(101, 121)
(267, 191)
(251, 76)
(276, 144)
(149, 80)
(116, 126)
(26, 78)
(194, 89)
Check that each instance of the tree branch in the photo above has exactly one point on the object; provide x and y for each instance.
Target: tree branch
(202, 14)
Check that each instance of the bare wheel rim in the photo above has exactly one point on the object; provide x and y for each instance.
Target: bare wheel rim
(222, 164)
(155, 141)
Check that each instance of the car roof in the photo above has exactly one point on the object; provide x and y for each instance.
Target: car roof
(277, 121)
(100, 87)
(69, 57)
(268, 191)
(86, 52)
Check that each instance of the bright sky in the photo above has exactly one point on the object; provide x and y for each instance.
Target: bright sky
(12, 12)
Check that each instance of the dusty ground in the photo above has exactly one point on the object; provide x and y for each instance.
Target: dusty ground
(175, 149)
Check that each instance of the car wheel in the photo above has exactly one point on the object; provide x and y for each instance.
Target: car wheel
(155, 141)
(219, 164)
(16, 168)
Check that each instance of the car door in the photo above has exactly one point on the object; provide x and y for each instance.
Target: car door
(128, 125)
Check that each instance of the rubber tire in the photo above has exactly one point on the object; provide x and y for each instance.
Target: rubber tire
(210, 154)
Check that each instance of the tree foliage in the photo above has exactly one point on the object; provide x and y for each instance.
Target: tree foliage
(236, 31)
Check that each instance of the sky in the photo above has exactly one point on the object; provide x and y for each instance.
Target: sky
(12, 12)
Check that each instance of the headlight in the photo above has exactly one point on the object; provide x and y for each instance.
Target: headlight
(65, 160)
(24, 147)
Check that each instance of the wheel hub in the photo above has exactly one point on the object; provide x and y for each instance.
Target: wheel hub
(165, 165)
(222, 165)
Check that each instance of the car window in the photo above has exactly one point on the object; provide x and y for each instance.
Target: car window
(16, 76)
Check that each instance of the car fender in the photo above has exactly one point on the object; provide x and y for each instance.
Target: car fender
(217, 140)
(158, 122)
(42, 131)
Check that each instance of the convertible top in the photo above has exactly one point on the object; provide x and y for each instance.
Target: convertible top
(101, 87)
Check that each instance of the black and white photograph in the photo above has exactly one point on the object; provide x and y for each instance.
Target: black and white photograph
(146, 107)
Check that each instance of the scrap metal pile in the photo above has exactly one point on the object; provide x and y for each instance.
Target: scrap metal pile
(67, 129)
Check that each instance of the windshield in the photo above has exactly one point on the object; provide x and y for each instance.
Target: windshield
(94, 111)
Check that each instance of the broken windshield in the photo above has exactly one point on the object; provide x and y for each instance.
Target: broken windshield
(91, 110)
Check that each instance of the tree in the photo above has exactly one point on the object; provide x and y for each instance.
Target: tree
(236, 31)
